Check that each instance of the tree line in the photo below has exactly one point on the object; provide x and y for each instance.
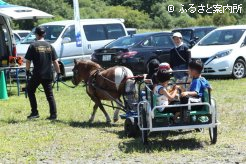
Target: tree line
(142, 14)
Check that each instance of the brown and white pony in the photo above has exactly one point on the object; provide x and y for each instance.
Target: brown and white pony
(113, 80)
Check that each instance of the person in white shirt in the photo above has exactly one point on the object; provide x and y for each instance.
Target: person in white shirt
(180, 56)
(160, 90)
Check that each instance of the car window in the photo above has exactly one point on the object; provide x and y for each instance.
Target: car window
(209, 29)
(114, 31)
(199, 33)
(148, 42)
(187, 34)
(127, 41)
(70, 33)
(162, 41)
(17, 39)
(223, 37)
(52, 34)
(23, 34)
(95, 32)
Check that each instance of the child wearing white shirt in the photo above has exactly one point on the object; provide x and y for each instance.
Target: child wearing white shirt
(160, 90)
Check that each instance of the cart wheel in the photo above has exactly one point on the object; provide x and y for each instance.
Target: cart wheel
(213, 132)
(199, 130)
(164, 135)
(144, 133)
(131, 128)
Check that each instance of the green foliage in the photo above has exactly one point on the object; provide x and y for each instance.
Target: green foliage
(91, 8)
(204, 20)
(137, 13)
(168, 20)
(223, 19)
(184, 21)
(56, 18)
(133, 18)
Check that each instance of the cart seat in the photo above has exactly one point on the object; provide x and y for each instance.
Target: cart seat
(157, 113)
(152, 99)
(195, 110)
(201, 110)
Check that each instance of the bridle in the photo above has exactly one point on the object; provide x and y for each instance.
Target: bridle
(75, 73)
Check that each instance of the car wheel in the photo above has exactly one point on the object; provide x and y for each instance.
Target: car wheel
(238, 70)
(152, 61)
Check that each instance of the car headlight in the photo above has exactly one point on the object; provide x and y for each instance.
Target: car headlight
(223, 53)
(219, 55)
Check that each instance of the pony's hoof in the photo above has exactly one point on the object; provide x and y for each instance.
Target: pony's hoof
(108, 121)
(116, 120)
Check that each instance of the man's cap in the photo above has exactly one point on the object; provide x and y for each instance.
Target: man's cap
(40, 31)
(177, 34)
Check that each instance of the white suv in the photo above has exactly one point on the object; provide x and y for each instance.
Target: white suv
(223, 51)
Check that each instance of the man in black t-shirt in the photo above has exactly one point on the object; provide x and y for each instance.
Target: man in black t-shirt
(180, 57)
(42, 54)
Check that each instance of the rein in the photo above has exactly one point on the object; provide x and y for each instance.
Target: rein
(56, 82)
(60, 81)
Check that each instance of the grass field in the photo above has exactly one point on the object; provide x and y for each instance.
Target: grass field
(72, 139)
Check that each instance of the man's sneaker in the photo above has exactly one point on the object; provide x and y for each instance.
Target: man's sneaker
(52, 117)
(33, 115)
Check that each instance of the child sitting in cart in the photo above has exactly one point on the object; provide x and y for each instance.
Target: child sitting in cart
(197, 87)
(198, 84)
(160, 90)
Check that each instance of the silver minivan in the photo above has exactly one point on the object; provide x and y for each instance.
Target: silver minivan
(95, 34)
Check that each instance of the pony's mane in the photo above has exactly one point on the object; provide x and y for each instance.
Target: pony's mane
(90, 64)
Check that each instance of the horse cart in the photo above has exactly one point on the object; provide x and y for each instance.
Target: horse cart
(139, 104)
(147, 118)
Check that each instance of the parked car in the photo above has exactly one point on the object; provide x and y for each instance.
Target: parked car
(7, 42)
(19, 35)
(131, 31)
(61, 34)
(223, 51)
(191, 35)
(136, 51)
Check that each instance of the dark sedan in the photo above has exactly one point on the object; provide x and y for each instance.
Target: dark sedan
(136, 51)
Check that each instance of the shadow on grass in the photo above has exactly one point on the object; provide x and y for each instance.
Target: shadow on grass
(13, 121)
(158, 142)
(136, 145)
(87, 124)
(121, 134)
